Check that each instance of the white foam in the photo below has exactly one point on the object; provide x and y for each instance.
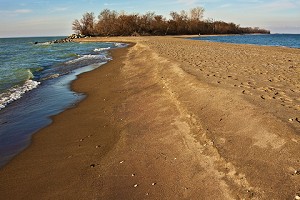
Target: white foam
(102, 49)
(89, 57)
(16, 93)
(52, 76)
(120, 45)
(44, 43)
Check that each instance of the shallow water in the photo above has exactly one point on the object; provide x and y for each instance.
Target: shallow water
(35, 84)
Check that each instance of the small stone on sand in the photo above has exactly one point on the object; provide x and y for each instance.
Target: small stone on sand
(92, 165)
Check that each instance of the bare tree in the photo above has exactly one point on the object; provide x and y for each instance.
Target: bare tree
(85, 26)
(197, 13)
(183, 15)
(107, 22)
(77, 27)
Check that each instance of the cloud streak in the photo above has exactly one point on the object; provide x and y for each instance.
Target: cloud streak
(59, 9)
(22, 11)
(15, 12)
(187, 2)
(281, 5)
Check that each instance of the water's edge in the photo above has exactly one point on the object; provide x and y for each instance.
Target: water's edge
(61, 98)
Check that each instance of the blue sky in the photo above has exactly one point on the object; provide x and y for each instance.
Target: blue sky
(55, 17)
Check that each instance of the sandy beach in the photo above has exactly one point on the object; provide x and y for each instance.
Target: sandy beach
(171, 118)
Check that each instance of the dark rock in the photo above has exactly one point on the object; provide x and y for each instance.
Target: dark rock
(67, 39)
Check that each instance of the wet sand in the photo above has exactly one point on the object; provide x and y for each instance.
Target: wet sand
(171, 118)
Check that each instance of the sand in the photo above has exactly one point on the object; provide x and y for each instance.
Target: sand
(171, 118)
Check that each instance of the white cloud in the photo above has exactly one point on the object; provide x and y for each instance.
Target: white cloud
(14, 12)
(59, 9)
(22, 11)
(116, 4)
(225, 5)
(111, 4)
(252, 1)
(187, 2)
(281, 5)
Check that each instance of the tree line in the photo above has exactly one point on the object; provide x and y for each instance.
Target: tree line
(113, 23)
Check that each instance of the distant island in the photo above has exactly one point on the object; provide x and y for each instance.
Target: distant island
(113, 23)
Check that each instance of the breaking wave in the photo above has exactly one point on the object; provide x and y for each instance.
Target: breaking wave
(88, 58)
(101, 49)
(44, 64)
(16, 92)
(120, 45)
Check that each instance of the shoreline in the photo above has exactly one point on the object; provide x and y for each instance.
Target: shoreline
(52, 146)
(169, 118)
(32, 110)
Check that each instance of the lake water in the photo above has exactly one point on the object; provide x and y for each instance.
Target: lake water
(282, 40)
(35, 84)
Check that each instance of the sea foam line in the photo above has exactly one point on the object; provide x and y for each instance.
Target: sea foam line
(101, 49)
(16, 93)
(89, 57)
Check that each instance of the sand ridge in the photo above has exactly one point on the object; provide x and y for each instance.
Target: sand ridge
(187, 120)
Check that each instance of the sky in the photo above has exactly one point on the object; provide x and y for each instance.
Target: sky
(19, 18)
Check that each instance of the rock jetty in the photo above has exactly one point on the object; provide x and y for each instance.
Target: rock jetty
(67, 39)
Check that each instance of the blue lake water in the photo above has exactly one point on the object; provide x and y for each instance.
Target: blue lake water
(282, 40)
(35, 84)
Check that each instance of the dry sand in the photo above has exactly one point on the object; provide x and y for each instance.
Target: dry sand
(171, 118)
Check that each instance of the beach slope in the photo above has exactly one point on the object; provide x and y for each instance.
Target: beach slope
(171, 118)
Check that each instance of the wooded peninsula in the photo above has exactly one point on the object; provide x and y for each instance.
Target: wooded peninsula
(113, 23)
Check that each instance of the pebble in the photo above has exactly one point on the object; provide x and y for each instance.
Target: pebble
(92, 165)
